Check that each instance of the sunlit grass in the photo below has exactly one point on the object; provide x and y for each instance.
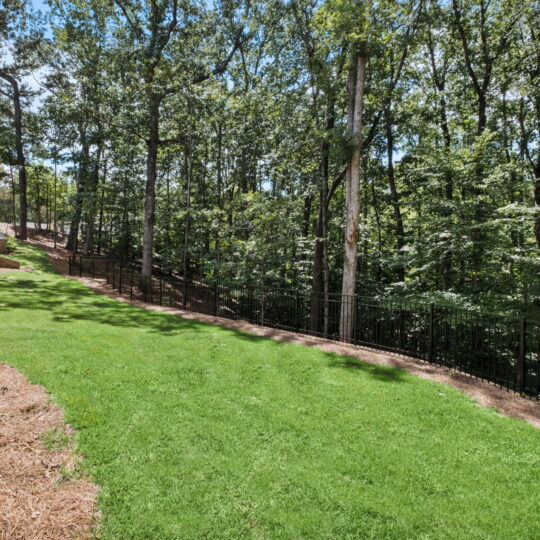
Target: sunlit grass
(197, 431)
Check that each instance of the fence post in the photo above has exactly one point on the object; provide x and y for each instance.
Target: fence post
(296, 314)
(113, 268)
(80, 266)
(145, 287)
(185, 293)
(108, 268)
(160, 287)
(69, 265)
(215, 298)
(250, 294)
(120, 278)
(431, 331)
(93, 268)
(521, 363)
(131, 285)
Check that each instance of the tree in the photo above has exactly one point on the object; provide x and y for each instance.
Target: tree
(156, 34)
(23, 42)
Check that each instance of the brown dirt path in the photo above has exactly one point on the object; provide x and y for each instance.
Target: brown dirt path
(41, 494)
(484, 393)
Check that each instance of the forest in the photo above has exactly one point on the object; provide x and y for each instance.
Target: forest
(384, 148)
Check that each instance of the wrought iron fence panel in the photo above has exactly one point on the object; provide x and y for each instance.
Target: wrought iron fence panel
(503, 350)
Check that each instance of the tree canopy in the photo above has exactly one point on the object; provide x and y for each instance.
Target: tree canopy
(394, 146)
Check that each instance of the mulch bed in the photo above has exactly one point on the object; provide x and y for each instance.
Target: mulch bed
(42, 493)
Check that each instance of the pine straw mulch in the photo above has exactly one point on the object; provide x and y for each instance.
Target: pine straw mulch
(42, 493)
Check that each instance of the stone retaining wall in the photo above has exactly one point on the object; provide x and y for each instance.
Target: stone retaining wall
(8, 263)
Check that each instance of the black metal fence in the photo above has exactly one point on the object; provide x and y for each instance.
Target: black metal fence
(503, 350)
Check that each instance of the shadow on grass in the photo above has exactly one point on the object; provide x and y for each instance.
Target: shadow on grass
(70, 301)
(29, 255)
(381, 373)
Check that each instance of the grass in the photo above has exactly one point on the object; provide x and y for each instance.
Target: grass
(196, 431)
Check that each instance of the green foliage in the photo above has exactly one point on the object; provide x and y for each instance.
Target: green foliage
(11, 243)
(250, 150)
(346, 20)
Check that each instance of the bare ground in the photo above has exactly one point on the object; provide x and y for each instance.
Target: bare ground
(42, 495)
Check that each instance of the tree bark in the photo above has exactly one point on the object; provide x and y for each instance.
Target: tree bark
(92, 203)
(73, 236)
(19, 148)
(100, 222)
(317, 273)
(219, 200)
(356, 84)
(189, 169)
(321, 276)
(38, 205)
(398, 218)
(150, 191)
(13, 199)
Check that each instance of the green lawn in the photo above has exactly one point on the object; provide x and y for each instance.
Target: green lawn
(196, 431)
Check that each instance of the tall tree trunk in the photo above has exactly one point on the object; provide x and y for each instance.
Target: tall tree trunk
(13, 198)
(306, 216)
(317, 273)
(189, 162)
(47, 208)
(321, 276)
(219, 201)
(356, 84)
(100, 223)
(55, 224)
(398, 218)
(326, 268)
(73, 236)
(38, 205)
(448, 192)
(92, 203)
(19, 148)
(478, 235)
(150, 191)
(378, 271)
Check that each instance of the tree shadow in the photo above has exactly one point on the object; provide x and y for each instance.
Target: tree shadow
(29, 255)
(381, 373)
(70, 301)
(337, 360)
